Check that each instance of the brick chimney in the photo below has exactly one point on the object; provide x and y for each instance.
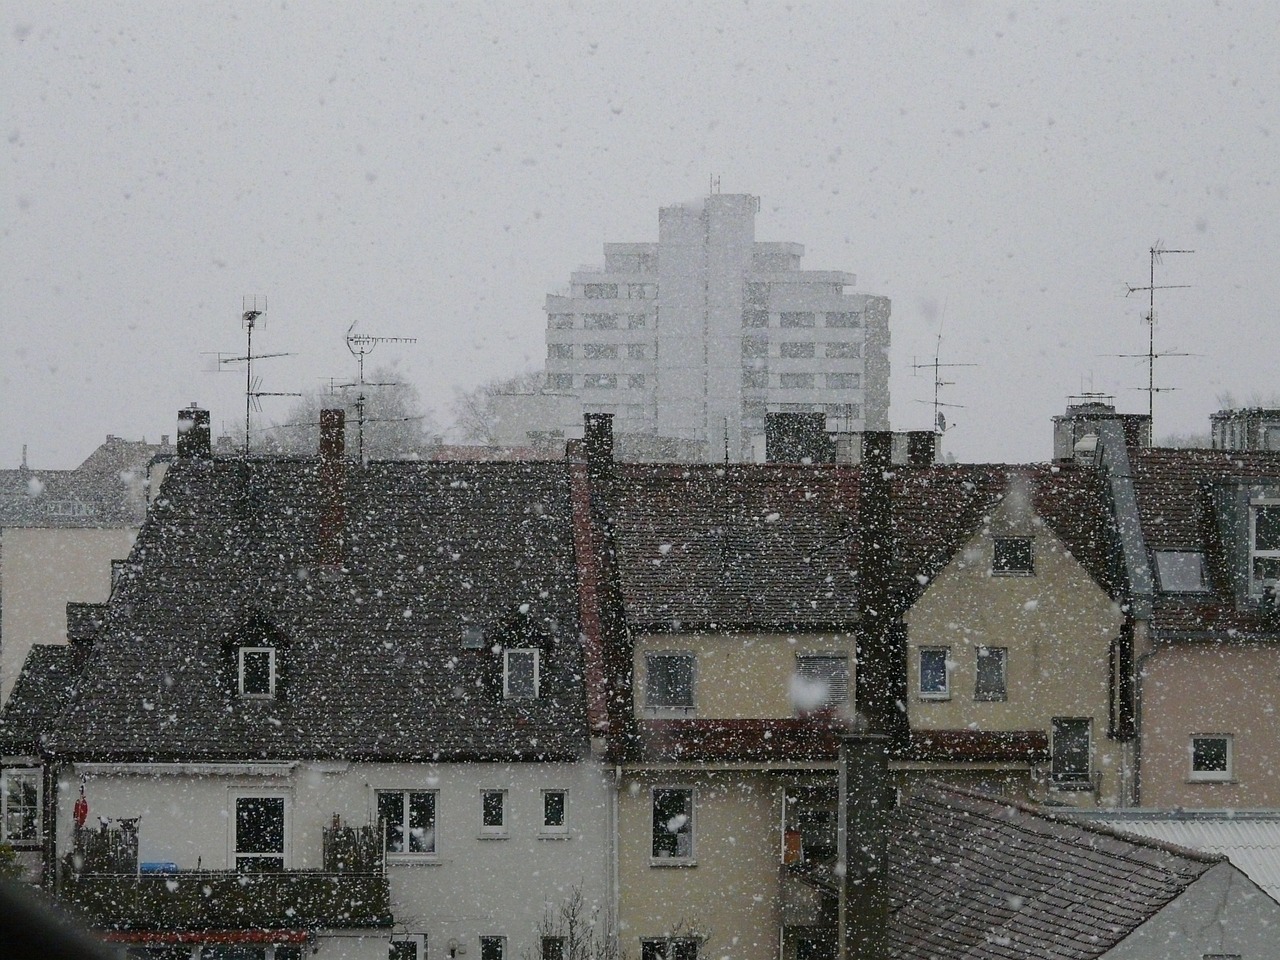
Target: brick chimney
(866, 804)
(333, 489)
(597, 440)
(193, 434)
(921, 447)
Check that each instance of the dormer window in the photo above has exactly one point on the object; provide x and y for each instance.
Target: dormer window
(1181, 571)
(1264, 544)
(520, 674)
(1012, 557)
(257, 672)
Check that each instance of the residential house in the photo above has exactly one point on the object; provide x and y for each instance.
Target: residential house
(333, 708)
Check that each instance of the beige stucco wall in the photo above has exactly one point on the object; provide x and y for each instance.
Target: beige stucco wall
(1056, 624)
(41, 571)
(731, 896)
(741, 676)
(1209, 688)
(476, 886)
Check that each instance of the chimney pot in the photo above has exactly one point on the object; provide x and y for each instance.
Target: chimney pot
(193, 434)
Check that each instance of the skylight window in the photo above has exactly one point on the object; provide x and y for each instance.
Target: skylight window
(1181, 571)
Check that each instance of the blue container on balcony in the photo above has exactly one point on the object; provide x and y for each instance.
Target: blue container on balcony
(157, 866)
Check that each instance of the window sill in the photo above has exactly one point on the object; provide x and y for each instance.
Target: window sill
(670, 713)
(935, 696)
(1212, 780)
(672, 862)
(554, 836)
(493, 836)
(1013, 573)
(413, 860)
(1071, 786)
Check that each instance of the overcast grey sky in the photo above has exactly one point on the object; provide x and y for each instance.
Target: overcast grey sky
(435, 169)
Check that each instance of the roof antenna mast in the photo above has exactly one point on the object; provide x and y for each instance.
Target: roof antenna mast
(939, 418)
(252, 309)
(361, 345)
(1157, 251)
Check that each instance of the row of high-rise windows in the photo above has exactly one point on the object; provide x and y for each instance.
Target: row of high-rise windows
(844, 412)
(598, 321)
(757, 379)
(599, 351)
(615, 291)
(755, 347)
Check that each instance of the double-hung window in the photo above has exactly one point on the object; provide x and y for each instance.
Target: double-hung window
(20, 798)
(520, 674)
(822, 681)
(493, 813)
(669, 680)
(555, 819)
(408, 819)
(989, 678)
(1070, 752)
(672, 832)
(1211, 757)
(935, 677)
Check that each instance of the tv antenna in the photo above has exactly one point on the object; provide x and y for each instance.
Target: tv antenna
(939, 418)
(1157, 252)
(361, 345)
(252, 309)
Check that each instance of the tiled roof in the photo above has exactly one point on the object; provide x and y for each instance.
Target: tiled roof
(372, 659)
(42, 690)
(751, 545)
(1175, 490)
(107, 490)
(1249, 839)
(977, 877)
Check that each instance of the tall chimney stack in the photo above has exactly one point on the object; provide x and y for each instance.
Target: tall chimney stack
(597, 440)
(193, 434)
(866, 803)
(333, 488)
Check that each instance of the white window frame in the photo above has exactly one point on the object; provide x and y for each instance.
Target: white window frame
(671, 709)
(502, 945)
(984, 652)
(506, 673)
(234, 855)
(411, 856)
(1172, 552)
(499, 831)
(945, 692)
(678, 859)
(1211, 776)
(1029, 571)
(272, 673)
(550, 830)
(419, 940)
(7, 777)
(1256, 585)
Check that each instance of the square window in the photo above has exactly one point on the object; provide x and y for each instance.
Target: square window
(796, 350)
(554, 815)
(1070, 751)
(843, 381)
(637, 321)
(20, 798)
(1211, 757)
(1012, 557)
(672, 823)
(669, 680)
(260, 834)
(989, 680)
(552, 948)
(755, 379)
(756, 294)
(635, 381)
(559, 351)
(520, 674)
(635, 351)
(560, 321)
(472, 636)
(257, 672)
(493, 812)
(408, 821)
(822, 682)
(559, 381)
(755, 317)
(754, 348)
(796, 319)
(493, 948)
(600, 351)
(1180, 571)
(934, 673)
(402, 948)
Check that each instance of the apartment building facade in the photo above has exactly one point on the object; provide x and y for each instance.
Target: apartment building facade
(696, 337)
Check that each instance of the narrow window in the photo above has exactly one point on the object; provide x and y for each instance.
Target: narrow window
(520, 677)
(669, 679)
(259, 842)
(408, 821)
(20, 796)
(672, 823)
(1012, 556)
(1211, 757)
(1070, 752)
(822, 682)
(1264, 545)
(553, 811)
(989, 680)
(493, 812)
(257, 672)
(934, 676)
(493, 948)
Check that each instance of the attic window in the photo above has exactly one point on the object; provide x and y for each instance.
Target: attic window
(472, 636)
(257, 672)
(520, 674)
(1264, 544)
(1181, 571)
(1012, 557)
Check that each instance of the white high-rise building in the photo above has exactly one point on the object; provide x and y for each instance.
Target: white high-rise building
(696, 337)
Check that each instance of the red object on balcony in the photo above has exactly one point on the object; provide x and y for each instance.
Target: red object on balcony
(80, 812)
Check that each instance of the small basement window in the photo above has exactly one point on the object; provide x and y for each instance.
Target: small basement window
(1013, 557)
(257, 672)
(1211, 757)
(1181, 571)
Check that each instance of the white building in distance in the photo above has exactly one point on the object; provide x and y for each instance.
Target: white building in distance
(691, 340)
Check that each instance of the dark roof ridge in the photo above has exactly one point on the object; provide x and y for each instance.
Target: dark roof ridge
(939, 790)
